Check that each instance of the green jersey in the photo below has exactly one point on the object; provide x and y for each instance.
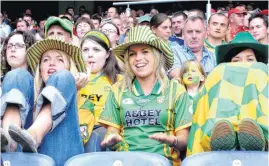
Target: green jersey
(138, 116)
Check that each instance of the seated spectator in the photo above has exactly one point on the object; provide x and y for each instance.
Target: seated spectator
(113, 34)
(62, 29)
(58, 28)
(82, 26)
(236, 22)
(192, 76)
(232, 110)
(217, 28)
(194, 33)
(258, 25)
(152, 110)
(55, 64)
(218, 117)
(243, 48)
(144, 21)
(14, 51)
(86, 14)
(13, 58)
(178, 21)
(96, 20)
(103, 71)
(22, 25)
(153, 12)
(5, 28)
(197, 12)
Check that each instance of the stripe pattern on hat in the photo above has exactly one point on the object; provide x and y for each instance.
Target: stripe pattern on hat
(35, 52)
(144, 35)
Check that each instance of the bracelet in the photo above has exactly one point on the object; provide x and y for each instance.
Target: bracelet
(175, 142)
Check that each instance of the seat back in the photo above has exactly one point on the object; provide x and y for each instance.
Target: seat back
(94, 143)
(119, 159)
(227, 158)
(26, 159)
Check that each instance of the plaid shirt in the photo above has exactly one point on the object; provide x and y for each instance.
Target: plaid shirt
(183, 54)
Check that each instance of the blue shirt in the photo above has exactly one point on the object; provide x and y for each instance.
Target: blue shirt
(176, 39)
(183, 54)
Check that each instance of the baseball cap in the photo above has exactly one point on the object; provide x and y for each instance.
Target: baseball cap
(143, 19)
(64, 23)
(236, 11)
(264, 12)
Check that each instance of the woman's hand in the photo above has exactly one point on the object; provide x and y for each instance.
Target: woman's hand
(81, 80)
(163, 138)
(111, 139)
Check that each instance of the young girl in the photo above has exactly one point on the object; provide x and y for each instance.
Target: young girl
(55, 130)
(192, 76)
(14, 57)
(103, 72)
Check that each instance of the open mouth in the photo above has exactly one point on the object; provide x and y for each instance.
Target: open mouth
(189, 78)
(140, 65)
(51, 71)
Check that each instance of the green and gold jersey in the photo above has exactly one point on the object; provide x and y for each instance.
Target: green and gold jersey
(210, 47)
(232, 91)
(91, 101)
(138, 116)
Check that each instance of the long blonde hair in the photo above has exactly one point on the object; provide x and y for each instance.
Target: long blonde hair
(38, 81)
(159, 63)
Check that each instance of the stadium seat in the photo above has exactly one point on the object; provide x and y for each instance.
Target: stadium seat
(227, 158)
(94, 143)
(26, 159)
(119, 159)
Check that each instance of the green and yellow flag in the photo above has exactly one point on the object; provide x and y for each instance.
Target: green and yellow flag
(232, 91)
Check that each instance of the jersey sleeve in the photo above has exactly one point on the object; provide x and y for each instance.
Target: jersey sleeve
(183, 117)
(110, 116)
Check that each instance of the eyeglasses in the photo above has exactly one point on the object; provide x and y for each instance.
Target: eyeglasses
(17, 46)
(108, 31)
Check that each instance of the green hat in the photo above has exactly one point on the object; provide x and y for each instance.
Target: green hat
(241, 42)
(144, 18)
(64, 23)
(35, 52)
(143, 35)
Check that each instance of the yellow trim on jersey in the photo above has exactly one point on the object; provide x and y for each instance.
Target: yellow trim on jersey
(106, 123)
(183, 127)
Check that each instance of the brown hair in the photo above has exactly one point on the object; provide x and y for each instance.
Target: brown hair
(158, 19)
(86, 20)
(28, 39)
(111, 68)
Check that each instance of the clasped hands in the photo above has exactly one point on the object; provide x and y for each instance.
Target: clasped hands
(114, 138)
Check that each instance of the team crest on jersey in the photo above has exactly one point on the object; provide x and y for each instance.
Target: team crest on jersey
(160, 99)
(84, 131)
(128, 101)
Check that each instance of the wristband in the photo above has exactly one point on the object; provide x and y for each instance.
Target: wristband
(175, 142)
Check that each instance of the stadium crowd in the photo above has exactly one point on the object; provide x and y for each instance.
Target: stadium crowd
(174, 85)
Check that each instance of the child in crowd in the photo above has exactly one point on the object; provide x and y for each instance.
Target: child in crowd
(103, 71)
(192, 76)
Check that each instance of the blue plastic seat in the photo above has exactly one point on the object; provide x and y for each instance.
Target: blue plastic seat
(26, 159)
(228, 158)
(94, 143)
(118, 159)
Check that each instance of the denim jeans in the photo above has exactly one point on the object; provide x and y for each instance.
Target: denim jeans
(18, 88)
(64, 140)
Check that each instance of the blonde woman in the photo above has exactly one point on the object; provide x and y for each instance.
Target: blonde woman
(55, 130)
(146, 111)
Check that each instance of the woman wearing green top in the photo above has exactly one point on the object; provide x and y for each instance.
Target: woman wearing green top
(146, 111)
